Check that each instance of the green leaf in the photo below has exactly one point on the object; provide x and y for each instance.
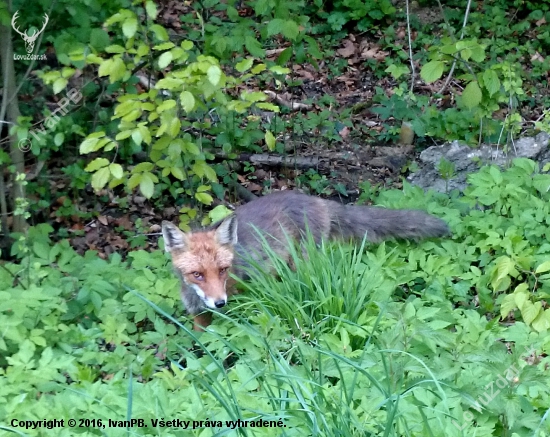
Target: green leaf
(432, 71)
(116, 170)
(99, 39)
(275, 26)
(277, 69)
(313, 47)
(542, 321)
(67, 72)
(88, 145)
(187, 45)
(270, 140)
(258, 68)
(59, 138)
(97, 164)
(125, 107)
(143, 167)
(204, 198)
(254, 96)
(115, 48)
(166, 105)
(285, 56)
(105, 68)
(268, 106)
(397, 70)
(151, 9)
(244, 65)
(478, 53)
(160, 32)
(142, 50)
(146, 185)
(520, 298)
(491, 82)
(471, 96)
(114, 68)
(254, 47)
(214, 74)
(177, 173)
(201, 168)
(187, 101)
(165, 59)
(288, 28)
(100, 178)
(508, 304)
(219, 212)
(189, 147)
(495, 174)
(41, 249)
(59, 85)
(162, 143)
(530, 311)
(134, 180)
(541, 182)
(164, 46)
(136, 136)
(174, 127)
(544, 267)
(465, 54)
(169, 83)
(504, 268)
(129, 27)
(145, 134)
(132, 115)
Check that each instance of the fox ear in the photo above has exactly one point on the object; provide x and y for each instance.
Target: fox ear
(174, 238)
(226, 232)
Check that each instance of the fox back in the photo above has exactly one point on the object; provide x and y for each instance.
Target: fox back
(203, 258)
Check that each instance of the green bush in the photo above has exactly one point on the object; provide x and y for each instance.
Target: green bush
(397, 339)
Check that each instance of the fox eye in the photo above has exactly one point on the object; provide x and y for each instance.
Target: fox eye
(223, 270)
(197, 275)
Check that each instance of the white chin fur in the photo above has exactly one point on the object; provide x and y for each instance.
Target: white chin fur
(209, 302)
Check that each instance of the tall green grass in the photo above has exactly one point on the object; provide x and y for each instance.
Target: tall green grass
(300, 345)
(323, 285)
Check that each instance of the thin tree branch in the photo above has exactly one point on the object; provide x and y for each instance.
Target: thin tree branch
(466, 15)
(413, 71)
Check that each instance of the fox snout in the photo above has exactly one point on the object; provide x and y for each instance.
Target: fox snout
(211, 291)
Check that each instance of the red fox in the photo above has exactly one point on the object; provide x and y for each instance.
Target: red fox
(204, 258)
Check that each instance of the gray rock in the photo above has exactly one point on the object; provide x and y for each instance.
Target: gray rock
(467, 160)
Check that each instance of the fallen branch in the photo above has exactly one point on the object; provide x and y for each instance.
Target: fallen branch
(242, 192)
(294, 106)
(277, 160)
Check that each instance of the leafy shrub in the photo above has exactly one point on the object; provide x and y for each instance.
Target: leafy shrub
(177, 146)
(366, 15)
(400, 339)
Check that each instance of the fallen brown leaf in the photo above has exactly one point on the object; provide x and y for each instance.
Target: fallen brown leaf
(344, 132)
(348, 50)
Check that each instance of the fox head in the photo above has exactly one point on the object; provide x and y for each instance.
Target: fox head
(203, 259)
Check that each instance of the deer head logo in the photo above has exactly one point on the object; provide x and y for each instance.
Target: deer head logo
(29, 39)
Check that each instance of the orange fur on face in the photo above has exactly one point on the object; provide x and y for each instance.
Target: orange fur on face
(204, 266)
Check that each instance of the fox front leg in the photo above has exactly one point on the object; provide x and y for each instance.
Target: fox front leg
(202, 321)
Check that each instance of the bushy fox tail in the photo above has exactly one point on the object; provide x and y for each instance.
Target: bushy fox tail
(350, 221)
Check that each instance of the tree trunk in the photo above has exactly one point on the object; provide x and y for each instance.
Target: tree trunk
(10, 107)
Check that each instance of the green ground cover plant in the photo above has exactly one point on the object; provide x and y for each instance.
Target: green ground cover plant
(443, 337)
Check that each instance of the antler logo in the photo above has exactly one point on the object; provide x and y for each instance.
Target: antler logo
(29, 39)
